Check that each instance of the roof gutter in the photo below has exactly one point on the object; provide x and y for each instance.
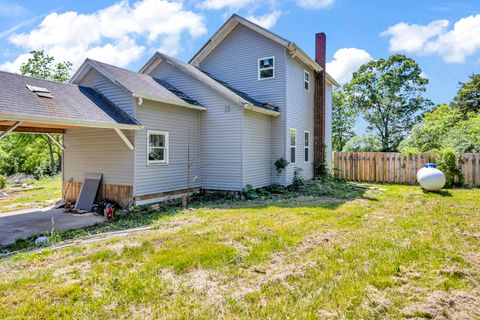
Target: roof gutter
(252, 107)
(185, 105)
(69, 122)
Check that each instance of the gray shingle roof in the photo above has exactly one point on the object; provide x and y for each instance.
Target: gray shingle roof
(178, 93)
(245, 96)
(137, 82)
(70, 103)
(211, 81)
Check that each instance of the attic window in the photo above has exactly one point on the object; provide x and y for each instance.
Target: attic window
(266, 68)
(39, 91)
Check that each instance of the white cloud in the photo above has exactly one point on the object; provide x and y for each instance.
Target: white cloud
(345, 62)
(454, 45)
(111, 34)
(315, 4)
(412, 37)
(221, 4)
(267, 20)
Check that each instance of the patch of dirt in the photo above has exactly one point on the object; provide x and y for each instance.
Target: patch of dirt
(179, 223)
(215, 286)
(377, 300)
(455, 305)
(283, 265)
(205, 282)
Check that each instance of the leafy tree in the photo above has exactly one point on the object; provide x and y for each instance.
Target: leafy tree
(343, 121)
(444, 127)
(431, 132)
(366, 143)
(42, 66)
(468, 96)
(389, 95)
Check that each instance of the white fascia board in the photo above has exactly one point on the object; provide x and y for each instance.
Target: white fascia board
(68, 122)
(185, 105)
(151, 64)
(332, 81)
(225, 30)
(261, 110)
(296, 52)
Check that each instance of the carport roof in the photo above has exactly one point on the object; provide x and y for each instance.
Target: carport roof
(69, 106)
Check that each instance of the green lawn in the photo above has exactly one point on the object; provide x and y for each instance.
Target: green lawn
(34, 194)
(389, 254)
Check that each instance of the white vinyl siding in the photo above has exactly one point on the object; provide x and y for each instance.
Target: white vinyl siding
(118, 95)
(257, 132)
(299, 115)
(234, 61)
(293, 146)
(98, 150)
(220, 131)
(183, 169)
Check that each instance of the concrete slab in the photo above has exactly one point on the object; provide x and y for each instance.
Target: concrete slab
(26, 223)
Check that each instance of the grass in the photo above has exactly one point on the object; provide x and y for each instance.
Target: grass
(389, 254)
(37, 194)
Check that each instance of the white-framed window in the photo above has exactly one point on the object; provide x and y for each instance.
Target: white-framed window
(266, 68)
(293, 145)
(306, 80)
(307, 146)
(157, 147)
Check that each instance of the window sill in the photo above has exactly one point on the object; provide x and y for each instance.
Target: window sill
(157, 163)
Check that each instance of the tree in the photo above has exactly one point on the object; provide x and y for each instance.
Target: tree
(468, 96)
(431, 132)
(366, 143)
(389, 95)
(444, 127)
(343, 121)
(41, 66)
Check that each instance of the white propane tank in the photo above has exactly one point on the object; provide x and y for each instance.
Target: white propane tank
(430, 178)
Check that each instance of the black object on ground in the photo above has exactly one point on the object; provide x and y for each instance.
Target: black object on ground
(88, 192)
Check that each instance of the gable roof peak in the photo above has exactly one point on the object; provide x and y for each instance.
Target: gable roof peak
(232, 22)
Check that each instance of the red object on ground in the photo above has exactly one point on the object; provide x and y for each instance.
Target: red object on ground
(108, 213)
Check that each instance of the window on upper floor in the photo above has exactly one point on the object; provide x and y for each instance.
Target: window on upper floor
(293, 145)
(266, 68)
(306, 80)
(307, 146)
(157, 147)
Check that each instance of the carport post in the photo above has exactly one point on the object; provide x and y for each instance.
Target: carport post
(6, 132)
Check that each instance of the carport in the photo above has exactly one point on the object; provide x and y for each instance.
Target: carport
(30, 105)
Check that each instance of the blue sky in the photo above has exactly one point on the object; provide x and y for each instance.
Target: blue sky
(442, 36)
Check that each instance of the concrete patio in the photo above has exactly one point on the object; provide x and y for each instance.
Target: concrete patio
(25, 223)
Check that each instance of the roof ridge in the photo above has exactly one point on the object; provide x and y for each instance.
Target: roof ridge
(116, 67)
(34, 78)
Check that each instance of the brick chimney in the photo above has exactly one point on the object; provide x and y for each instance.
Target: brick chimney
(319, 105)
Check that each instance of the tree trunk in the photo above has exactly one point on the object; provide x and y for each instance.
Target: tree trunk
(52, 159)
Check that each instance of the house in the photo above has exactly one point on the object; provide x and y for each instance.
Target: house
(246, 99)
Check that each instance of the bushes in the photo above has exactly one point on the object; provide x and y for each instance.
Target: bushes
(448, 165)
(3, 181)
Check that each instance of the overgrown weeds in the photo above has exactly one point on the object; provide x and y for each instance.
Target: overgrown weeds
(137, 216)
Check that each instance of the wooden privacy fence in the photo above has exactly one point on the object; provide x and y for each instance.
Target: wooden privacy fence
(392, 167)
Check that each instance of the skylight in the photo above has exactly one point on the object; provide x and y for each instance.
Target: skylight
(39, 91)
